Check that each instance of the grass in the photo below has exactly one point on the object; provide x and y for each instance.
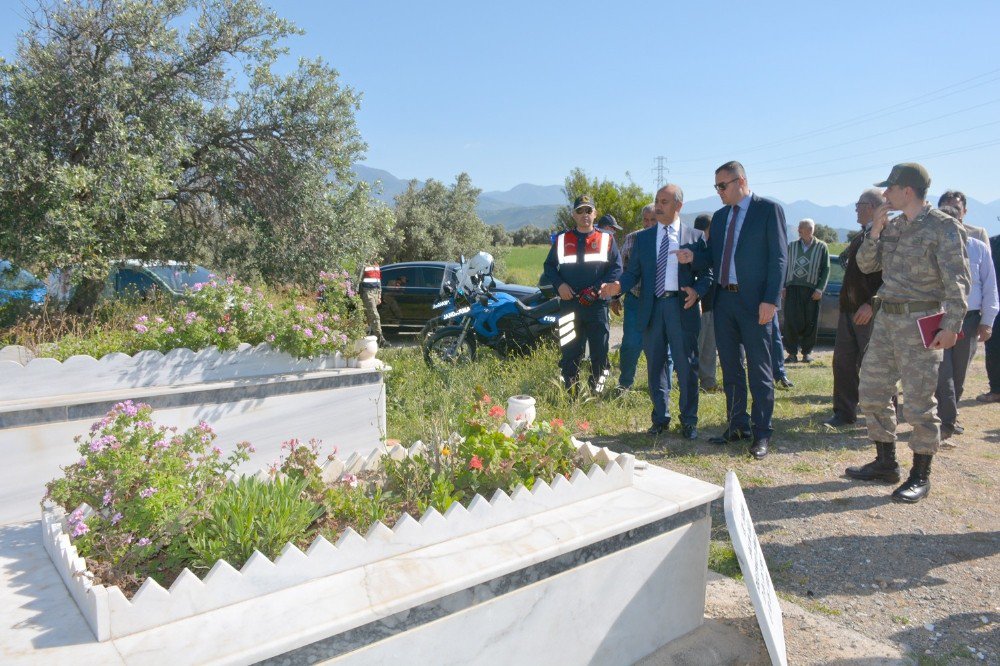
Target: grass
(523, 265)
(722, 559)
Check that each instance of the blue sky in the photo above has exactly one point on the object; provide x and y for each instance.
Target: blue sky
(818, 100)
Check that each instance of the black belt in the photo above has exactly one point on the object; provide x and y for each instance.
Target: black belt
(729, 287)
(669, 294)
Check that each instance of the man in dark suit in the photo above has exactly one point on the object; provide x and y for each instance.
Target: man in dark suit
(748, 251)
(668, 308)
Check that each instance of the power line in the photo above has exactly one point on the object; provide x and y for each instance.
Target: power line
(884, 165)
(913, 102)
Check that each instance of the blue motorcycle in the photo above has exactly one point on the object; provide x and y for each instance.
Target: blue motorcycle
(473, 316)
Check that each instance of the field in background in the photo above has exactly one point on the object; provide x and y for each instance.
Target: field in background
(523, 265)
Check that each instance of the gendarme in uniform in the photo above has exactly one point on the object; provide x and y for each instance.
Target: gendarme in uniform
(924, 270)
(579, 262)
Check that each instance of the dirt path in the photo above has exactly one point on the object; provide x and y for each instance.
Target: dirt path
(925, 578)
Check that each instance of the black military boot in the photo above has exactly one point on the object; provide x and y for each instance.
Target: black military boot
(883, 468)
(918, 485)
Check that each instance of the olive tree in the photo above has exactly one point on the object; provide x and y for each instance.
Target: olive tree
(157, 129)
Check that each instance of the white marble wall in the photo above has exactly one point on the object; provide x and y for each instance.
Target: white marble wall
(47, 377)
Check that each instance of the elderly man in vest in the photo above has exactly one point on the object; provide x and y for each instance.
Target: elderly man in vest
(579, 262)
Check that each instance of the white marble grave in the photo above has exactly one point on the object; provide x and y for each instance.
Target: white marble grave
(603, 568)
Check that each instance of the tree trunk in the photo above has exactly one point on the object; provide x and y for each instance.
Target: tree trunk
(85, 296)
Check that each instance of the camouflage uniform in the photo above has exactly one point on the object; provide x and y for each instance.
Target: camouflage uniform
(922, 261)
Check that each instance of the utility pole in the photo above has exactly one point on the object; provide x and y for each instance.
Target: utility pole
(660, 169)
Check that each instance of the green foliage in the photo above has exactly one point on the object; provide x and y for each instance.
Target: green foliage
(826, 233)
(123, 133)
(146, 484)
(252, 515)
(224, 313)
(500, 236)
(623, 200)
(531, 235)
(523, 265)
(439, 223)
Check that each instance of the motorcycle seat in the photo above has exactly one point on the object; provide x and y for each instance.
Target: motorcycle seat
(549, 307)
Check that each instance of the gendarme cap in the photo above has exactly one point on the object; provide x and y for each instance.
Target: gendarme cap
(907, 174)
(583, 200)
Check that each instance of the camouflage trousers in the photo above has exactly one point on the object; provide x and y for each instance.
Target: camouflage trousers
(895, 353)
(370, 298)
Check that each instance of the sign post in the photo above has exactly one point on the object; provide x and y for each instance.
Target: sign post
(754, 567)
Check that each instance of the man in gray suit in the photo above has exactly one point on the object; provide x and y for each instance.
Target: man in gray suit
(668, 308)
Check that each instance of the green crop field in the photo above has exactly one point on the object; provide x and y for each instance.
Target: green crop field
(523, 265)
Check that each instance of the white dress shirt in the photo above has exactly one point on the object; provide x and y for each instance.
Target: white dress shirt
(744, 203)
(673, 231)
(983, 294)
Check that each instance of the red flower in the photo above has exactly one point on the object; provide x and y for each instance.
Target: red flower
(556, 423)
(584, 425)
(497, 412)
(475, 463)
(486, 399)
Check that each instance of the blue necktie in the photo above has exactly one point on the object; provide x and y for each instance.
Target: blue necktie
(661, 264)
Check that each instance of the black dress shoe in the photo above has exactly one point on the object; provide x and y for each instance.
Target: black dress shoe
(759, 448)
(658, 428)
(785, 382)
(807, 358)
(689, 432)
(729, 436)
(791, 358)
(837, 422)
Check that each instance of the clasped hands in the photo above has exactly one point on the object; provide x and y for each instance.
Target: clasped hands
(610, 289)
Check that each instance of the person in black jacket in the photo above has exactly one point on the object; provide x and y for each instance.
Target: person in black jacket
(579, 262)
(854, 326)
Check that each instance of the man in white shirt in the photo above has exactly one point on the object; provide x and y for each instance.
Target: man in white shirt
(976, 327)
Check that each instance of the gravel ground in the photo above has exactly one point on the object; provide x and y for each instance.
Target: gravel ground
(924, 577)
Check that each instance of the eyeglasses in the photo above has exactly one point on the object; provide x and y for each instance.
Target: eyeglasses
(721, 187)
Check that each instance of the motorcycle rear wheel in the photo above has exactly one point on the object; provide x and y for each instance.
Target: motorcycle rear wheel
(442, 348)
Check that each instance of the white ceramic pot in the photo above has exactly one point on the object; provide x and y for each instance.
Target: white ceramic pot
(366, 347)
(520, 411)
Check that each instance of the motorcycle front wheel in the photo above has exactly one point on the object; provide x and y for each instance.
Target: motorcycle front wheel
(441, 348)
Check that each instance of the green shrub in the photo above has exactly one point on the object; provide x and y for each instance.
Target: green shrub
(252, 515)
(146, 485)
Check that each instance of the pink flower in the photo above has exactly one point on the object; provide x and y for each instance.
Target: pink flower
(80, 529)
(141, 329)
(350, 480)
(146, 493)
(143, 542)
(82, 462)
(162, 444)
(270, 338)
(556, 423)
(300, 307)
(230, 280)
(216, 450)
(584, 425)
(486, 399)
(159, 320)
(307, 332)
(221, 329)
(115, 519)
(475, 463)
(142, 319)
(247, 290)
(245, 306)
(169, 329)
(190, 317)
(496, 411)
(106, 500)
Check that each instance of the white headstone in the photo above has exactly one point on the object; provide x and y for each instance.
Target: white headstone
(754, 567)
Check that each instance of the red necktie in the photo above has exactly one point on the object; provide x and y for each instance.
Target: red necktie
(727, 250)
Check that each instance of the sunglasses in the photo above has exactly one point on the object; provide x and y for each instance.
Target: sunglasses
(721, 187)
(584, 210)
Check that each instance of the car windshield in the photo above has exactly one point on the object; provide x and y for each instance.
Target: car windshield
(178, 277)
(17, 278)
(836, 271)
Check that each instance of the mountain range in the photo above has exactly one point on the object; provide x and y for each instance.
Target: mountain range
(537, 204)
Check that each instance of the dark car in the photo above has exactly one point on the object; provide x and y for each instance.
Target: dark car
(410, 289)
(137, 279)
(829, 306)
